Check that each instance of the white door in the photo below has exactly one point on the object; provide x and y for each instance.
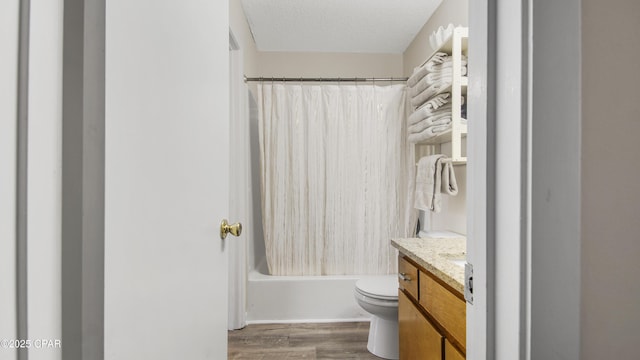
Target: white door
(166, 182)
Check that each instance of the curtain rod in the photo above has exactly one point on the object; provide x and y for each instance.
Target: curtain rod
(319, 79)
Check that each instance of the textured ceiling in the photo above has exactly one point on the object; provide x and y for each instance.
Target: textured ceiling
(356, 26)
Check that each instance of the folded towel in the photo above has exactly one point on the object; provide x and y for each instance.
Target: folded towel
(429, 108)
(418, 74)
(421, 71)
(443, 118)
(436, 105)
(423, 84)
(428, 93)
(430, 132)
(423, 113)
(428, 183)
(446, 63)
(444, 75)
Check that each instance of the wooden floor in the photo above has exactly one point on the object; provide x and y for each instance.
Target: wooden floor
(301, 341)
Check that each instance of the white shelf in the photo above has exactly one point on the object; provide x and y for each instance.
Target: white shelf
(456, 46)
(443, 137)
(464, 81)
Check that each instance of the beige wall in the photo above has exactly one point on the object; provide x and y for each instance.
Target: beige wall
(299, 64)
(610, 172)
(242, 33)
(302, 64)
(450, 11)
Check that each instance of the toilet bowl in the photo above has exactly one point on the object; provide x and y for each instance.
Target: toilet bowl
(378, 295)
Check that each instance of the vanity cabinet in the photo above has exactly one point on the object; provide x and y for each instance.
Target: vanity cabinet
(431, 315)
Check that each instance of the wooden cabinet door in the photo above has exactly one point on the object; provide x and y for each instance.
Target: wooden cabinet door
(419, 340)
(451, 353)
(446, 308)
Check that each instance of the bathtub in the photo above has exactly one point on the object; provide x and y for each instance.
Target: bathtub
(291, 299)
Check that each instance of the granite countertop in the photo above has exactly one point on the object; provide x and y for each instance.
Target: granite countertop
(438, 256)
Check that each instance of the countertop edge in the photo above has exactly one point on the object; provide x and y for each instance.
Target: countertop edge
(450, 280)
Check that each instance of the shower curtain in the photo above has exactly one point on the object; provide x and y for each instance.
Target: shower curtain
(336, 173)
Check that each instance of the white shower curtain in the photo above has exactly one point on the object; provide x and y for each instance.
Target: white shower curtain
(336, 177)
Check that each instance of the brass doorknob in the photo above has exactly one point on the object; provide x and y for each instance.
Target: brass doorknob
(225, 228)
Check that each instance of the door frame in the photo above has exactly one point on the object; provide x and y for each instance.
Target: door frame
(238, 175)
(83, 179)
(527, 199)
(481, 178)
(498, 201)
(526, 160)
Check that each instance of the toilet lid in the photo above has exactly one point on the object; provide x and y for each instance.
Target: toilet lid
(381, 287)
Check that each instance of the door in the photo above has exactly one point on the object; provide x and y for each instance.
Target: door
(418, 338)
(166, 179)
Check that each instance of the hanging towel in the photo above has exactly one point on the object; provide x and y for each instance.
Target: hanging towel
(428, 183)
(449, 183)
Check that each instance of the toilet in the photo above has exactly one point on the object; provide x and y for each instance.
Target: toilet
(378, 295)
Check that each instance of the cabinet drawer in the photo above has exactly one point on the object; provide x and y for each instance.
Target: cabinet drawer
(448, 309)
(407, 277)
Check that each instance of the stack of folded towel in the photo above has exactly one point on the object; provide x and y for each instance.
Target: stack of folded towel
(430, 104)
(431, 119)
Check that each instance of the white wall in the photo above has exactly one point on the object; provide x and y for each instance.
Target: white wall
(256, 250)
(45, 164)
(610, 293)
(252, 221)
(240, 27)
(8, 121)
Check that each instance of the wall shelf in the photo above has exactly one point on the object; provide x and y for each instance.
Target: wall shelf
(456, 46)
